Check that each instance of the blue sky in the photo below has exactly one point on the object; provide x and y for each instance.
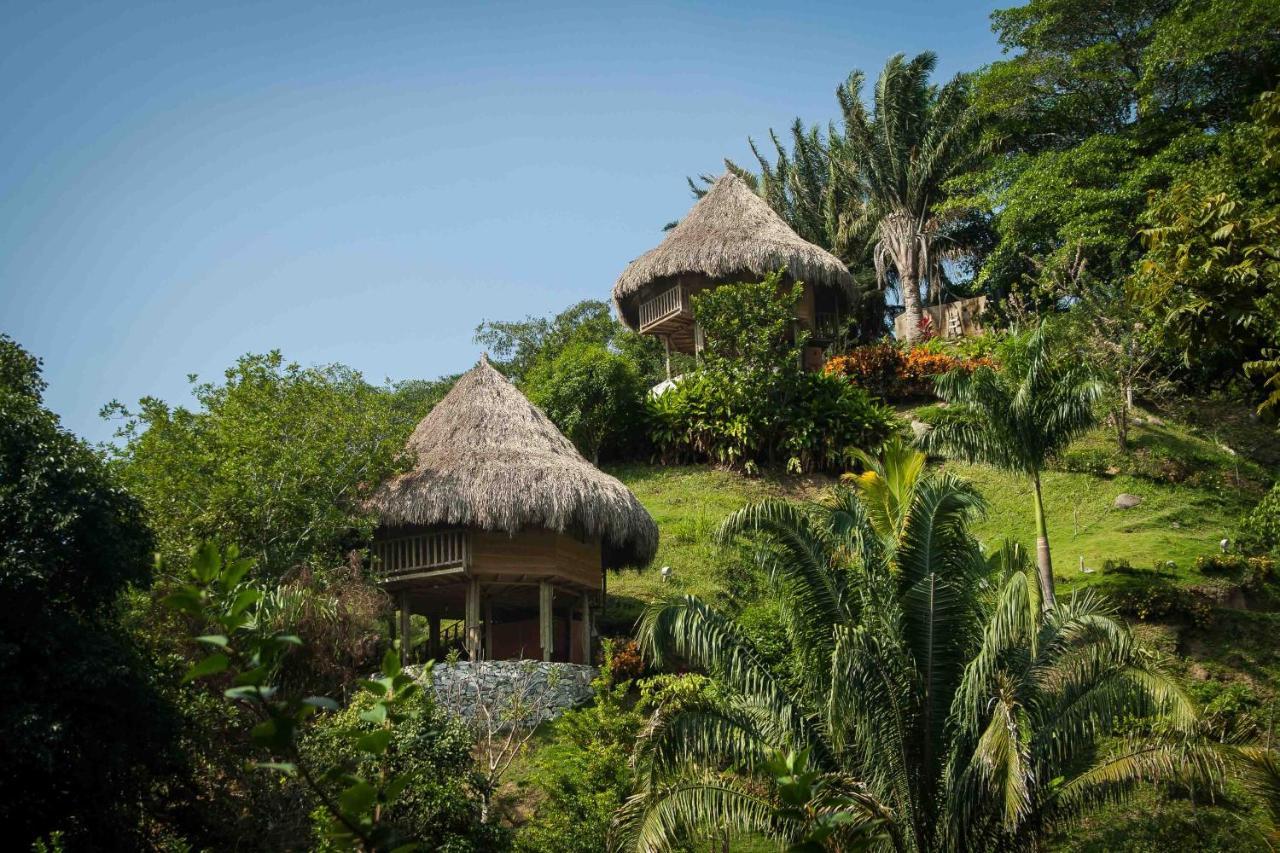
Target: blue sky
(363, 183)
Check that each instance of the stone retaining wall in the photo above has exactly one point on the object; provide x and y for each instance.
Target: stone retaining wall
(524, 690)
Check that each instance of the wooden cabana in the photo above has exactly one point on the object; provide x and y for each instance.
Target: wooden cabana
(501, 531)
(730, 235)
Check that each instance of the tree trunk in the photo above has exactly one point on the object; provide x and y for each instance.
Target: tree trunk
(911, 309)
(1044, 562)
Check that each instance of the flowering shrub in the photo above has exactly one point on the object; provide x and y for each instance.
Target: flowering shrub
(887, 371)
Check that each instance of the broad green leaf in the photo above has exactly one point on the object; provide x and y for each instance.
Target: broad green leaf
(377, 714)
(375, 742)
(219, 640)
(357, 799)
(205, 562)
(321, 702)
(212, 665)
(186, 600)
(234, 572)
(243, 599)
(391, 663)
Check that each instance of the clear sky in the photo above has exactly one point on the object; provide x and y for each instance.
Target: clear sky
(181, 183)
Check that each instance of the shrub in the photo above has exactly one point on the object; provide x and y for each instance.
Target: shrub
(893, 373)
(752, 405)
(822, 421)
(875, 367)
(1260, 529)
(431, 749)
(585, 771)
(624, 660)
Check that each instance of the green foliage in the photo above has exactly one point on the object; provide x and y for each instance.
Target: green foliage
(276, 458)
(1098, 107)
(429, 748)
(584, 773)
(752, 404)
(968, 717)
(70, 536)
(83, 734)
(242, 650)
(1260, 529)
(1017, 417)
(517, 346)
(594, 395)
(1213, 250)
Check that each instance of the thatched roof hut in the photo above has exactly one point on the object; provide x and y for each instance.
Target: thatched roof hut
(731, 234)
(487, 458)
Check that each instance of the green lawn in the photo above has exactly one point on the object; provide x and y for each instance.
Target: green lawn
(1175, 522)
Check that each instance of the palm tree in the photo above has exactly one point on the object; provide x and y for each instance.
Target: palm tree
(927, 689)
(1016, 418)
(900, 157)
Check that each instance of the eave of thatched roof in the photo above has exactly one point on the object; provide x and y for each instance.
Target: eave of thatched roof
(488, 458)
(731, 231)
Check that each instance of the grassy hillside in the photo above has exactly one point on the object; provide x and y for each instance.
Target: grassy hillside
(1218, 478)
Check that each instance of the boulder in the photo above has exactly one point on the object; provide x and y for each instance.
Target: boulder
(1126, 501)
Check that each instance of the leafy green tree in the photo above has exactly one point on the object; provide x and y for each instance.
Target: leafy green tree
(938, 701)
(83, 733)
(594, 395)
(1017, 417)
(1099, 104)
(517, 346)
(1211, 271)
(277, 457)
(245, 652)
(903, 154)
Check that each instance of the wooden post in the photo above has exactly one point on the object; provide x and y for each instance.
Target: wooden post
(546, 619)
(666, 346)
(488, 628)
(587, 645)
(406, 628)
(473, 620)
(433, 641)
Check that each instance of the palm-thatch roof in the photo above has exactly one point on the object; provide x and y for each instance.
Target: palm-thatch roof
(488, 458)
(731, 231)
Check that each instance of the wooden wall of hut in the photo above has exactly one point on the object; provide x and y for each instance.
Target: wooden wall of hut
(956, 319)
(535, 552)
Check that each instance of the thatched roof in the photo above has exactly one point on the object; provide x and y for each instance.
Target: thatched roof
(488, 458)
(731, 231)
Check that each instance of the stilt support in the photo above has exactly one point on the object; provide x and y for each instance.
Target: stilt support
(587, 645)
(473, 621)
(546, 619)
(406, 630)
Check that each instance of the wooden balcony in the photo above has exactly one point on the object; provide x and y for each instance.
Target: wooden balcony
(444, 553)
(670, 306)
(669, 315)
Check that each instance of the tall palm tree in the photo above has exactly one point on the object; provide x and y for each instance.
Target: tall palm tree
(943, 708)
(1016, 418)
(900, 156)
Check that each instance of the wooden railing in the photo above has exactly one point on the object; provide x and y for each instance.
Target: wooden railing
(423, 552)
(659, 308)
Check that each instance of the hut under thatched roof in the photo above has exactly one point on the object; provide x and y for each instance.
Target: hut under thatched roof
(730, 235)
(500, 506)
